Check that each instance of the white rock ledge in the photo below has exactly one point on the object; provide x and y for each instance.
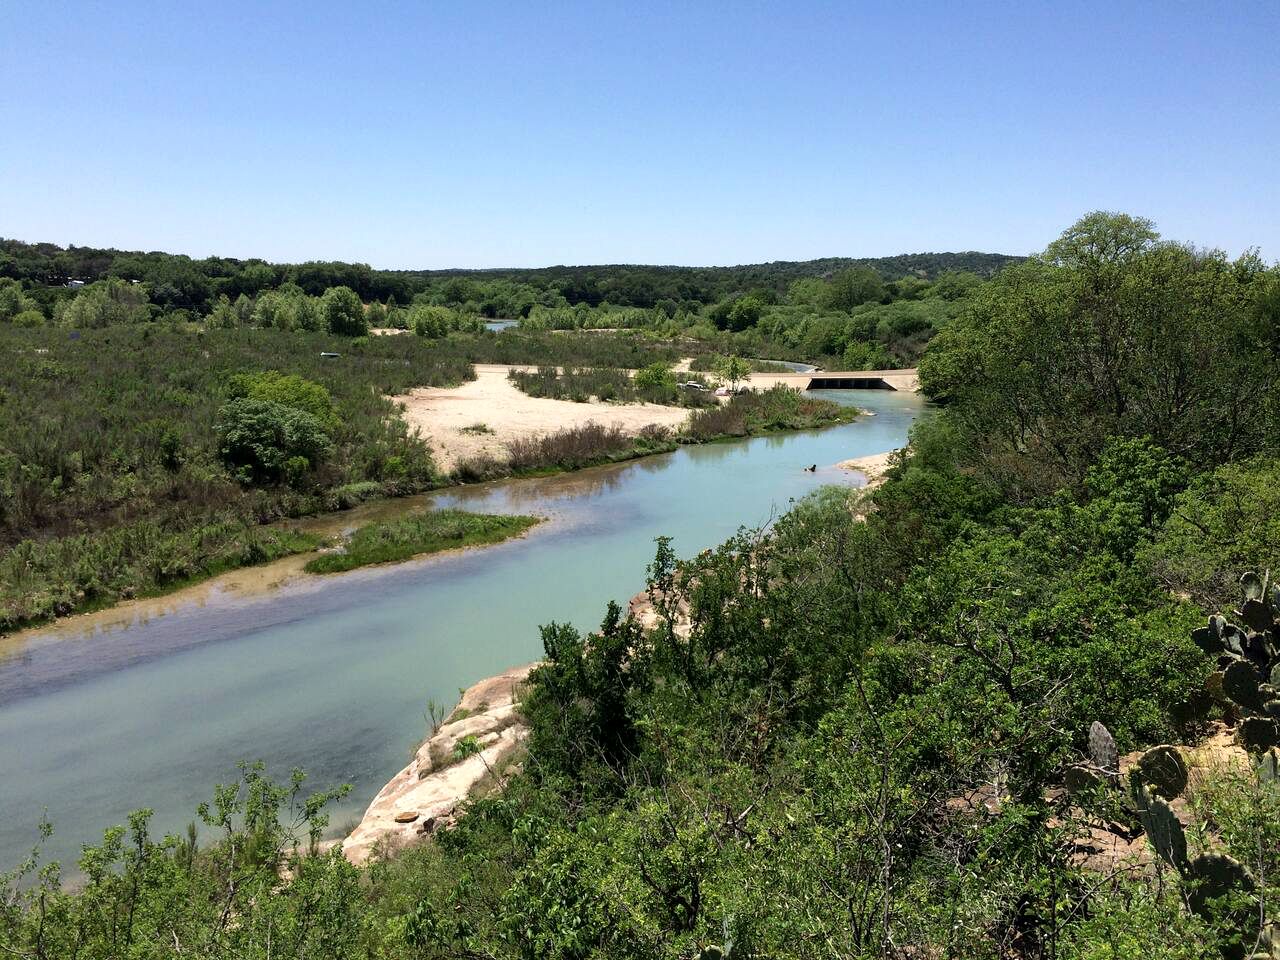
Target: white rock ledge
(424, 795)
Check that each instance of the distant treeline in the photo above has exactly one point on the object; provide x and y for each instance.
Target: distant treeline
(178, 281)
(834, 312)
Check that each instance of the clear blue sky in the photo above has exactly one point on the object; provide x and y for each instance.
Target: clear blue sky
(475, 134)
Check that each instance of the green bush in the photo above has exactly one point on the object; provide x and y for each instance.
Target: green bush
(266, 442)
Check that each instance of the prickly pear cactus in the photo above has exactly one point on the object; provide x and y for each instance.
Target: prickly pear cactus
(1162, 826)
(1258, 733)
(1102, 749)
(1082, 778)
(1241, 683)
(1248, 660)
(1269, 767)
(1215, 875)
(1163, 771)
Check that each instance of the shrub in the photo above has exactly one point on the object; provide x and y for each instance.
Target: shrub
(343, 313)
(289, 390)
(656, 376)
(778, 408)
(584, 445)
(266, 442)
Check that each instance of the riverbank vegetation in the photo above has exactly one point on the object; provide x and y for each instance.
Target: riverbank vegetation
(389, 541)
(655, 383)
(137, 456)
(852, 733)
(754, 412)
(573, 448)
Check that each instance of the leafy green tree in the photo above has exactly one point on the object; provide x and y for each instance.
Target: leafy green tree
(1110, 332)
(342, 313)
(104, 304)
(243, 307)
(655, 377)
(289, 390)
(431, 321)
(734, 369)
(849, 288)
(265, 442)
(28, 318)
(861, 355)
(954, 285)
(745, 312)
(13, 301)
(223, 316)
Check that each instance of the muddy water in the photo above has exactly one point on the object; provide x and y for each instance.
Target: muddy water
(153, 703)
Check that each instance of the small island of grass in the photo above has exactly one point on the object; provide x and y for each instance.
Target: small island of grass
(389, 541)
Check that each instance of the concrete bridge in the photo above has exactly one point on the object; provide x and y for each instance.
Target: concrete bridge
(841, 380)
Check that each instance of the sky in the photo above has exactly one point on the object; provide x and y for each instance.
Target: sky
(432, 135)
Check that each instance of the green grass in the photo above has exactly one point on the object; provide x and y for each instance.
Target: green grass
(389, 541)
(44, 579)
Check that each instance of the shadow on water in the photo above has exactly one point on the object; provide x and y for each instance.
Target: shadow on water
(154, 704)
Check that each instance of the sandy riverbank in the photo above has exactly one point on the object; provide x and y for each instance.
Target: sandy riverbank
(873, 467)
(443, 414)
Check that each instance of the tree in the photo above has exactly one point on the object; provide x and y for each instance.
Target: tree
(864, 355)
(654, 377)
(734, 369)
(1110, 332)
(745, 312)
(429, 321)
(342, 312)
(13, 301)
(266, 442)
(852, 287)
(104, 304)
(223, 316)
(288, 390)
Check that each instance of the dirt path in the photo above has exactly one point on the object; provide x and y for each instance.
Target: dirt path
(450, 418)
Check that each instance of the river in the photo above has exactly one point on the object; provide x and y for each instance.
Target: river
(333, 674)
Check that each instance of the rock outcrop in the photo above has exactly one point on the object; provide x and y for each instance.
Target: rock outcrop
(424, 795)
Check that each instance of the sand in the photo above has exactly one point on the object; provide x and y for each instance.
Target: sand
(442, 413)
(872, 466)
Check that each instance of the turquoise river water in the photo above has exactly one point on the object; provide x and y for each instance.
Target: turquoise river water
(333, 674)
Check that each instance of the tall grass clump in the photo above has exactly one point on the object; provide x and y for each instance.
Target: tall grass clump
(43, 579)
(581, 384)
(584, 446)
(389, 541)
(764, 411)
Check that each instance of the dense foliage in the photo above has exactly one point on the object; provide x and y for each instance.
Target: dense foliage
(386, 541)
(194, 284)
(847, 734)
(839, 312)
(653, 384)
(137, 457)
